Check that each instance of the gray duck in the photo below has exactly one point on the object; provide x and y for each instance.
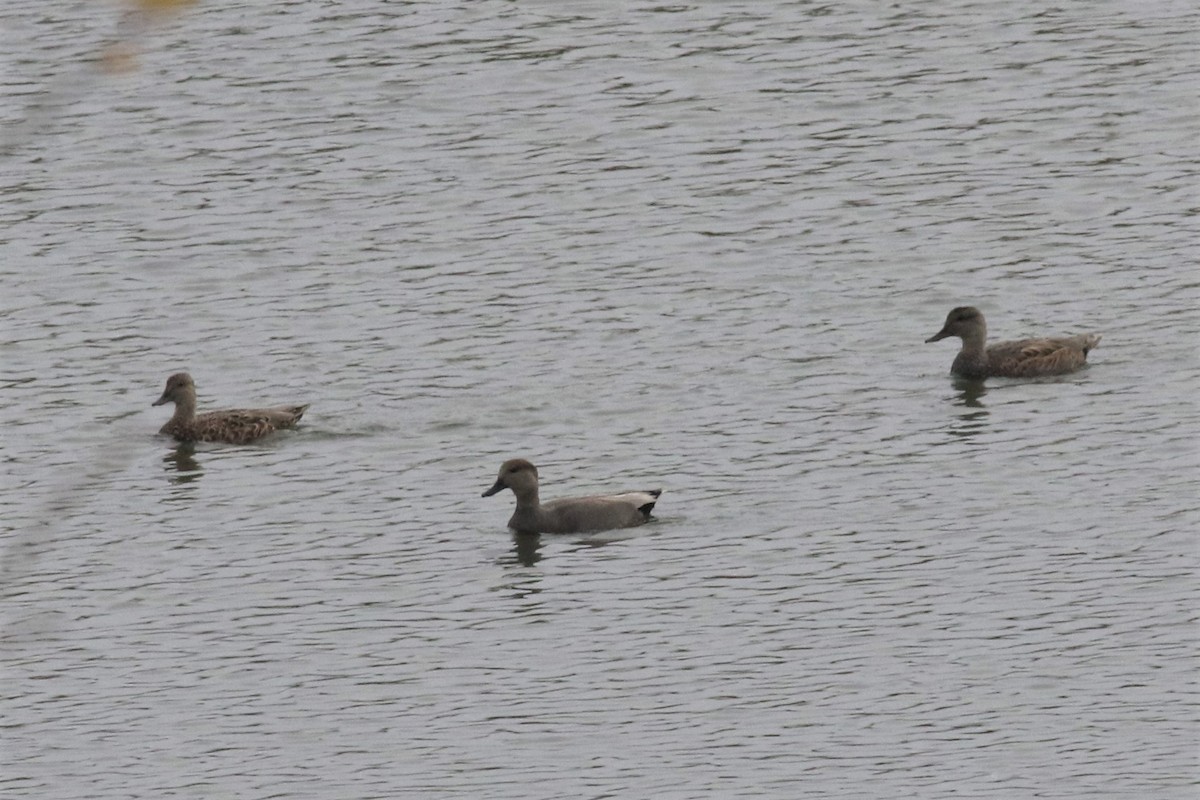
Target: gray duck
(1025, 358)
(232, 426)
(572, 514)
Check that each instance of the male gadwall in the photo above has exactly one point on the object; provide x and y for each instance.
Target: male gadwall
(233, 426)
(1026, 358)
(570, 515)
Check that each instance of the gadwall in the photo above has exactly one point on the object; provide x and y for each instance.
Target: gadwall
(1022, 359)
(233, 426)
(570, 515)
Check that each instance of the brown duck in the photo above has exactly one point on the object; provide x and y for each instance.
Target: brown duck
(233, 426)
(1026, 358)
(571, 514)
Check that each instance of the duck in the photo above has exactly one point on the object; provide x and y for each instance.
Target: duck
(572, 514)
(231, 426)
(1025, 358)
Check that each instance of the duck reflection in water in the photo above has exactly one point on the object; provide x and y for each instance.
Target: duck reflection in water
(973, 418)
(527, 547)
(970, 390)
(180, 462)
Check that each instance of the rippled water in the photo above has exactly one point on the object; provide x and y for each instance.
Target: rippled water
(695, 246)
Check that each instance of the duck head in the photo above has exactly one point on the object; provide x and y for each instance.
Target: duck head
(178, 385)
(516, 474)
(965, 322)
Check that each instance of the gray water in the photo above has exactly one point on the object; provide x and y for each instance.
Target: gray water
(691, 246)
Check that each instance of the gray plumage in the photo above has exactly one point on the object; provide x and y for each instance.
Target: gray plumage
(572, 514)
(1019, 359)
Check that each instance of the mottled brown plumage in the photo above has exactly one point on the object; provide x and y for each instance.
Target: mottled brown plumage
(232, 426)
(1020, 359)
(572, 514)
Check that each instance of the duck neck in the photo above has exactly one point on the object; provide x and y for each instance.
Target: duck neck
(185, 407)
(974, 344)
(527, 497)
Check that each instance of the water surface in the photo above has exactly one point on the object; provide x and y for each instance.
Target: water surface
(695, 247)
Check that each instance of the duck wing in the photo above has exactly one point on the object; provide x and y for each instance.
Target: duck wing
(243, 425)
(1032, 357)
(598, 512)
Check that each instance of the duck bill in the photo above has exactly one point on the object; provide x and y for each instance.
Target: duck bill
(942, 334)
(162, 400)
(496, 487)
